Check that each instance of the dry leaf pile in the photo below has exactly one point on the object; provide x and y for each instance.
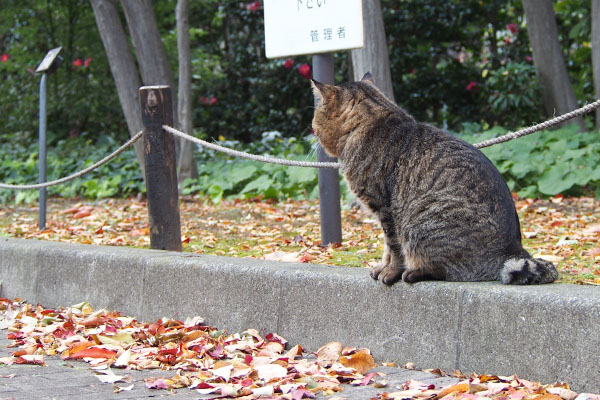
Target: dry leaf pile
(208, 360)
(563, 230)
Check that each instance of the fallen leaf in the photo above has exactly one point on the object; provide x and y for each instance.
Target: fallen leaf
(34, 359)
(302, 393)
(92, 352)
(563, 393)
(82, 214)
(329, 353)
(548, 257)
(362, 361)
(457, 388)
(109, 377)
(592, 252)
(156, 383)
(270, 371)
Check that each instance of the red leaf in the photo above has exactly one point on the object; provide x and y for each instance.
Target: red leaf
(82, 214)
(30, 359)
(247, 382)
(273, 337)
(93, 352)
(203, 385)
(168, 351)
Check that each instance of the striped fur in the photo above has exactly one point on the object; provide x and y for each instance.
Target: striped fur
(444, 208)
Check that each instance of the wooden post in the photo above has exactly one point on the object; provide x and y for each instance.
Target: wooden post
(160, 163)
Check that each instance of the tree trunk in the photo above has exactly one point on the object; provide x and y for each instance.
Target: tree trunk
(149, 49)
(122, 66)
(186, 167)
(373, 57)
(596, 52)
(559, 96)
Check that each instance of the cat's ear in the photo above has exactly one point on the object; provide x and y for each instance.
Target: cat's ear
(320, 90)
(367, 78)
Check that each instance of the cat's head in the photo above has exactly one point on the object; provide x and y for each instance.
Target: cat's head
(346, 109)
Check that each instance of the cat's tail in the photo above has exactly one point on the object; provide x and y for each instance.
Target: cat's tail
(528, 271)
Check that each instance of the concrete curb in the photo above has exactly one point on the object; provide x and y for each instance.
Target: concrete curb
(546, 333)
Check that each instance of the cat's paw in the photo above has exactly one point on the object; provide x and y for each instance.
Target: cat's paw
(376, 270)
(414, 275)
(389, 275)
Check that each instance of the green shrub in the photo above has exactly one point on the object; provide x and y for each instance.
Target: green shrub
(547, 163)
(19, 166)
(221, 176)
(538, 165)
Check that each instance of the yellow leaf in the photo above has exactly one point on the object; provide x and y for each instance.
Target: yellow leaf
(362, 361)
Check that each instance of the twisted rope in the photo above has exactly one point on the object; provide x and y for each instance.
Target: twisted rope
(241, 154)
(80, 173)
(554, 121)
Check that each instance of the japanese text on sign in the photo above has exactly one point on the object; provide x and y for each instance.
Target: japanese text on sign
(294, 27)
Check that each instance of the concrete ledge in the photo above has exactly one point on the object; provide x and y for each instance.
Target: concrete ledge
(547, 333)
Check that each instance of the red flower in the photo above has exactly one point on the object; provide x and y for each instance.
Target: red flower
(304, 70)
(471, 86)
(204, 100)
(86, 63)
(289, 63)
(4, 57)
(507, 40)
(513, 28)
(213, 100)
(255, 5)
(528, 58)
(78, 63)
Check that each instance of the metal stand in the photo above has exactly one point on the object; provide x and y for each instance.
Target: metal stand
(49, 64)
(329, 180)
(42, 153)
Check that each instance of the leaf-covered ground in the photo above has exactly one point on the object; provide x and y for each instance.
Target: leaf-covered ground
(562, 230)
(217, 364)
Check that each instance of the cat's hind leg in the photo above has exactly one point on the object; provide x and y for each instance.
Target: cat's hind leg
(420, 268)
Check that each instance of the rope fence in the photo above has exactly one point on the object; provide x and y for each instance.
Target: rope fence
(544, 125)
(294, 163)
(80, 173)
(241, 154)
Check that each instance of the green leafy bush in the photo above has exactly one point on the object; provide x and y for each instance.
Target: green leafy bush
(222, 177)
(19, 166)
(513, 94)
(547, 163)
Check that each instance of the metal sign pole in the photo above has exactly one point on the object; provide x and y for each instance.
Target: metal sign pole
(329, 180)
(318, 28)
(42, 153)
(48, 65)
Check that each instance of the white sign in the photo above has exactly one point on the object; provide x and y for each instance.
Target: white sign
(294, 27)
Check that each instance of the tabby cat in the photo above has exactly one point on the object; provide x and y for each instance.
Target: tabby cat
(445, 210)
